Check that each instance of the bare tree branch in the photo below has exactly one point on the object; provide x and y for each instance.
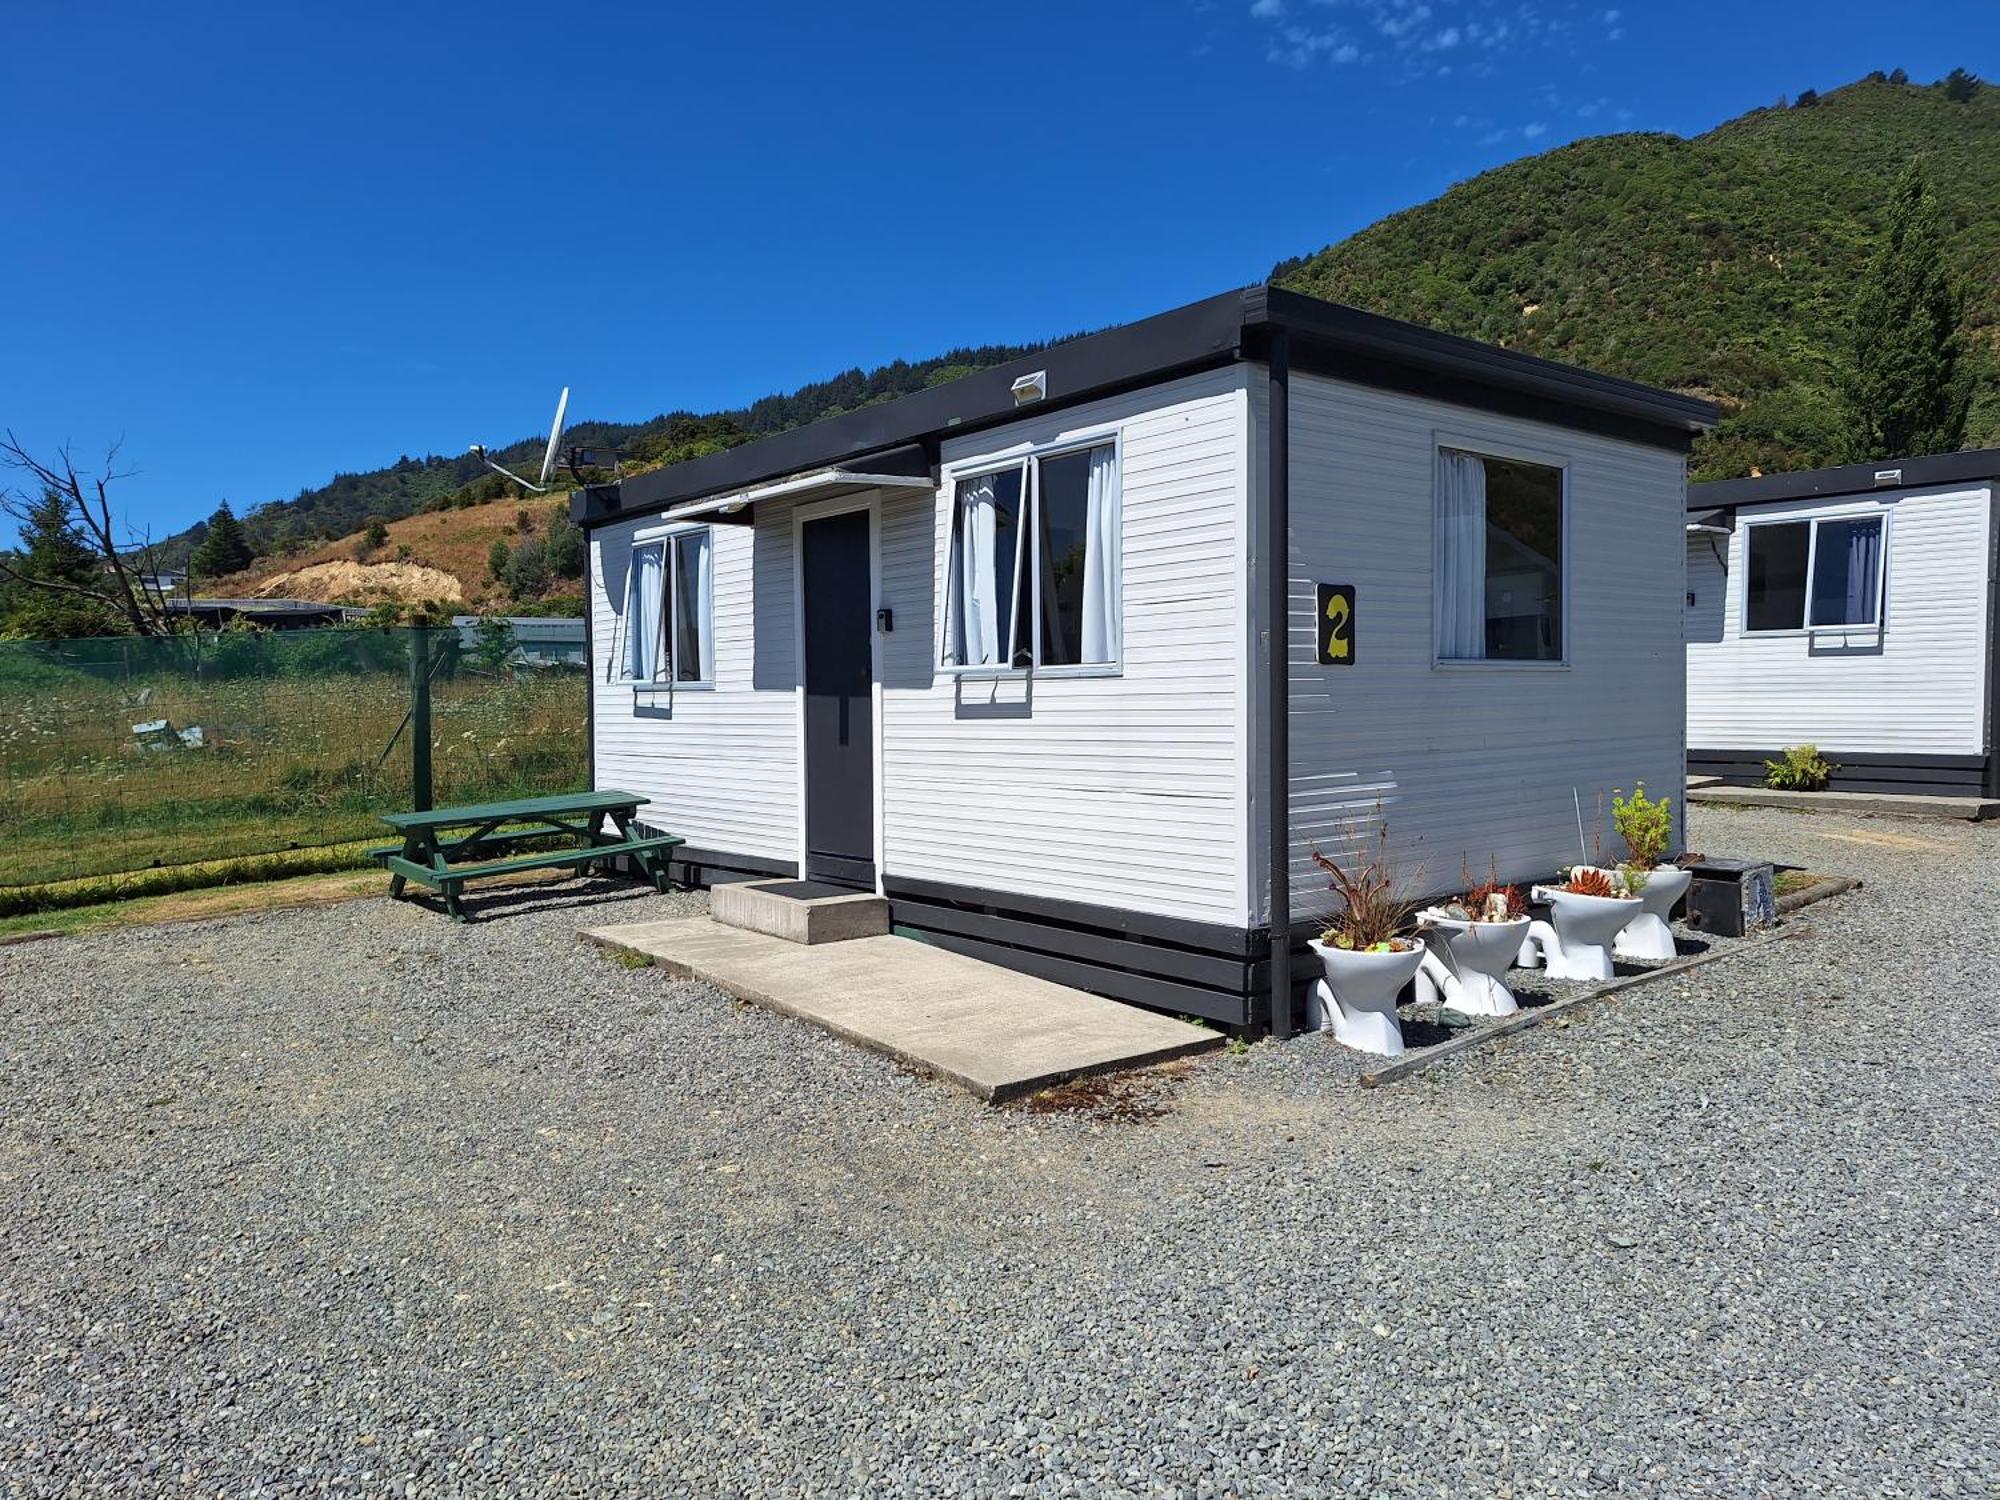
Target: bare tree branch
(91, 513)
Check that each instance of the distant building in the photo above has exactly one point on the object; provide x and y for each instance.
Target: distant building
(538, 640)
(270, 614)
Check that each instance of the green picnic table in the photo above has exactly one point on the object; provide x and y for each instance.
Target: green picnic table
(434, 851)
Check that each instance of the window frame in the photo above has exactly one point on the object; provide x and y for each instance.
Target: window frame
(663, 538)
(1485, 447)
(1805, 627)
(1028, 458)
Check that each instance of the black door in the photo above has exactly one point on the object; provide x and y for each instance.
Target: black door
(840, 706)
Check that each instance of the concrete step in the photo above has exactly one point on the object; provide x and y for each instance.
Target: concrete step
(989, 1030)
(799, 911)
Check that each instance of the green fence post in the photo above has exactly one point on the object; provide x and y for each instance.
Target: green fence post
(420, 719)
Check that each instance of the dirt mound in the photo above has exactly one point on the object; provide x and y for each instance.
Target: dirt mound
(364, 583)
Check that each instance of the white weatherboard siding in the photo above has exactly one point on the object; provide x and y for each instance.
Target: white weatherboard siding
(1124, 791)
(1916, 687)
(720, 764)
(1472, 761)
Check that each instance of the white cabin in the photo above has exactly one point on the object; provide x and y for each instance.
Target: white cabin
(1851, 609)
(1002, 652)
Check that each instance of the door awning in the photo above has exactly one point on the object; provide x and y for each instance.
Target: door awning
(874, 471)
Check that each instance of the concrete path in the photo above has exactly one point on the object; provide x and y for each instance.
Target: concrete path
(1878, 804)
(989, 1030)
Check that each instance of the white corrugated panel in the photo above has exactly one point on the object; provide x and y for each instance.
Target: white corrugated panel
(1472, 763)
(1123, 791)
(720, 764)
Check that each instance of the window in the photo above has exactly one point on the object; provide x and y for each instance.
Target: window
(1832, 566)
(1033, 578)
(1499, 559)
(669, 596)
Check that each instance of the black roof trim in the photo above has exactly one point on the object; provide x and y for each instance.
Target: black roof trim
(1848, 479)
(1220, 330)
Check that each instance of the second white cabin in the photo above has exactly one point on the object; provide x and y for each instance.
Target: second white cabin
(1851, 609)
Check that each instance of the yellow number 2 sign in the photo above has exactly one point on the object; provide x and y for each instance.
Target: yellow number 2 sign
(1336, 624)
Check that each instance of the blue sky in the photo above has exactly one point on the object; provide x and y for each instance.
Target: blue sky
(265, 243)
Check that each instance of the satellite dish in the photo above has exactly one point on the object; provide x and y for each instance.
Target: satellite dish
(555, 436)
(548, 454)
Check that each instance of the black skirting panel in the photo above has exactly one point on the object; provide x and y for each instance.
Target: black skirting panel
(706, 867)
(1905, 775)
(1204, 969)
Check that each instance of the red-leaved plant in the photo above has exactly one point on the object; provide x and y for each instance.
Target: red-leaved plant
(1479, 896)
(1586, 880)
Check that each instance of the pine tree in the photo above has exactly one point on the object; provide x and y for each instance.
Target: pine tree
(52, 551)
(1908, 385)
(224, 548)
(50, 546)
(1961, 87)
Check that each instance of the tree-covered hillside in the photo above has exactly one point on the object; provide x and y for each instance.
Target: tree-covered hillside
(1723, 266)
(347, 502)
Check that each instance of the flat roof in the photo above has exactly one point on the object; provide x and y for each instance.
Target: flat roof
(1848, 479)
(1323, 337)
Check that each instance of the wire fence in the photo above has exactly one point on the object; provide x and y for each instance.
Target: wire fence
(124, 754)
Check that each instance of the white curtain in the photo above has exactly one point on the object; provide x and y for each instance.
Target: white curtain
(1461, 557)
(643, 603)
(976, 621)
(694, 599)
(1103, 547)
(705, 620)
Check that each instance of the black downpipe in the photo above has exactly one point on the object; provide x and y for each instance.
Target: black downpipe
(1277, 666)
(1992, 643)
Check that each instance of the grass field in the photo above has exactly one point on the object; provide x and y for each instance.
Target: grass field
(300, 747)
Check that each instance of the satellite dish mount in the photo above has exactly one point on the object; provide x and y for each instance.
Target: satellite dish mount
(548, 454)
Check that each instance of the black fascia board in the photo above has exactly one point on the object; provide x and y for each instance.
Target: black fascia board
(1848, 479)
(1367, 347)
(1326, 338)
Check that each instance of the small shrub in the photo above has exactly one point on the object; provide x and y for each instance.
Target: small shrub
(1803, 769)
(1646, 825)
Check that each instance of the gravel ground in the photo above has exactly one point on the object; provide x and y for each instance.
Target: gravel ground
(353, 1201)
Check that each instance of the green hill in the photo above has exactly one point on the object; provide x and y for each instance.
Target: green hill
(1720, 266)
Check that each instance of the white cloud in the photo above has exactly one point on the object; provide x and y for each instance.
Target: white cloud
(1413, 39)
(1530, 132)
(1611, 17)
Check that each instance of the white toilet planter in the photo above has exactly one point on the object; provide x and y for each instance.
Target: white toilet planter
(1576, 942)
(1357, 999)
(1647, 938)
(1464, 969)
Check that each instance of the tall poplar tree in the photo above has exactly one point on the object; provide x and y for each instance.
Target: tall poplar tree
(1908, 383)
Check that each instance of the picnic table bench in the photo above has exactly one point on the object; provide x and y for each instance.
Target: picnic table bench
(434, 853)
